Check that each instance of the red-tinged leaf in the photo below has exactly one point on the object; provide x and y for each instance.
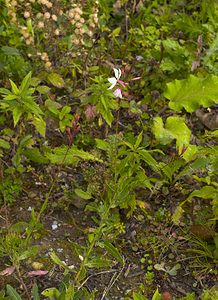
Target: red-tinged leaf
(90, 112)
(37, 273)
(7, 271)
(166, 296)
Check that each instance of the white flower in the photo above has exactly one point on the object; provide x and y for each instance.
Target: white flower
(118, 93)
(113, 80)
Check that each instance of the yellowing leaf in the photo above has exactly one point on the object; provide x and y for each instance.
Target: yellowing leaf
(56, 80)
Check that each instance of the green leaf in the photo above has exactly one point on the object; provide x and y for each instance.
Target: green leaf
(192, 93)
(10, 51)
(137, 296)
(14, 88)
(10, 97)
(157, 295)
(5, 91)
(64, 155)
(56, 80)
(113, 251)
(139, 140)
(35, 292)
(17, 112)
(57, 261)
(69, 293)
(53, 106)
(175, 128)
(177, 215)
(40, 125)
(51, 293)
(29, 26)
(190, 153)
(115, 32)
(173, 271)
(206, 192)
(82, 194)
(101, 144)
(105, 111)
(32, 107)
(43, 89)
(25, 83)
(98, 263)
(34, 155)
(12, 293)
(4, 144)
(147, 157)
(65, 110)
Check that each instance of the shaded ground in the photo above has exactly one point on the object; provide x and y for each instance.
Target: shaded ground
(149, 243)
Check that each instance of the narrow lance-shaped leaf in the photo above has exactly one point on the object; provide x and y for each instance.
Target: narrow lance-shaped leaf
(12, 293)
(25, 83)
(113, 251)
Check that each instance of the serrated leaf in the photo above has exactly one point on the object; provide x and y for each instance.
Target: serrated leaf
(5, 91)
(35, 156)
(68, 156)
(12, 293)
(192, 93)
(206, 192)
(82, 194)
(56, 80)
(101, 144)
(10, 51)
(113, 251)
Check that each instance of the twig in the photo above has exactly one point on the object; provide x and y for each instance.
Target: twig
(112, 281)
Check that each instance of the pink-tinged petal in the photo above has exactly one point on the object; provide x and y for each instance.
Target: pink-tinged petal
(121, 83)
(37, 273)
(118, 93)
(136, 78)
(7, 271)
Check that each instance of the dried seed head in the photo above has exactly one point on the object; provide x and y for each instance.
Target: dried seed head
(39, 15)
(26, 14)
(57, 32)
(41, 24)
(48, 64)
(54, 17)
(47, 15)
